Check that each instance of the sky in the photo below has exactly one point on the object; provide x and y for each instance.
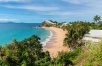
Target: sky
(36, 11)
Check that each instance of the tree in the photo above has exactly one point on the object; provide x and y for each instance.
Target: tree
(75, 34)
(66, 58)
(25, 53)
(97, 18)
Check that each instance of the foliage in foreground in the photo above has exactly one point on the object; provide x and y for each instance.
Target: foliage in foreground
(88, 55)
(29, 53)
(67, 58)
(25, 53)
(91, 55)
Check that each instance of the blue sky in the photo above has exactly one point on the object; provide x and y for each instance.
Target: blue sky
(34, 11)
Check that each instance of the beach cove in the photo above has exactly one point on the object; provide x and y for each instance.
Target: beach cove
(55, 44)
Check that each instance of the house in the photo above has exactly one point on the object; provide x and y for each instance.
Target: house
(94, 36)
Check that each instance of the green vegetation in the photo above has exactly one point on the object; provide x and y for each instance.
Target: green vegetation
(46, 24)
(75, 34)
(25, 53)
(88, 55)
(97, 18)
(67, 58)
(51, 23)
(82, 53)
(29, 51)
(91, 55)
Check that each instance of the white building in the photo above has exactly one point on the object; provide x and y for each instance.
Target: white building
(94, 36)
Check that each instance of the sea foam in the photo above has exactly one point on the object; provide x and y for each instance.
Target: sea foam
(48, 38)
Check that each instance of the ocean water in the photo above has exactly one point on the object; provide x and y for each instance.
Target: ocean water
(20, 31)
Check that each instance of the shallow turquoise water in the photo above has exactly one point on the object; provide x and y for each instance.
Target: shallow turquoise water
(8, 32)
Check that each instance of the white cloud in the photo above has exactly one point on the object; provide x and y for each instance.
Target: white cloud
(59, 13)
(39, 8)
(72, 1)
(88, 7)
(6, 19)
(76, 1)
(30, 7)
(93, 7)
(15, 0)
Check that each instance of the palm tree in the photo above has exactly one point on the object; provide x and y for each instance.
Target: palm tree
(97, 18)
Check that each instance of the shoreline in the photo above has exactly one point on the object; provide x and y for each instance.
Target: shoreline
(55, 43)
(48, 38)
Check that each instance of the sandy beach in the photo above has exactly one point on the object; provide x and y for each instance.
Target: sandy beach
(55, 44)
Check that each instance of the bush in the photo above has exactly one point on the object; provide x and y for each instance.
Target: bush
(66, 58)
(75, 34)
(91, 55)
(25, 53)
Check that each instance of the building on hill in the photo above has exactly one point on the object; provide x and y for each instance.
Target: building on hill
(64, 24)
(48, 21)
(94, 36)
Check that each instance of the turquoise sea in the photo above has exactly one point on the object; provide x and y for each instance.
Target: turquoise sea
(20, 31)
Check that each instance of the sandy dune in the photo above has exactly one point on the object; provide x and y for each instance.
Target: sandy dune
(55, 45)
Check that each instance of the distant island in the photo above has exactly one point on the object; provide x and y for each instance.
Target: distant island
(11, 22)
(7, 22)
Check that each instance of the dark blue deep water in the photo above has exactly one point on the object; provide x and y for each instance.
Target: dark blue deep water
(20, 31)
